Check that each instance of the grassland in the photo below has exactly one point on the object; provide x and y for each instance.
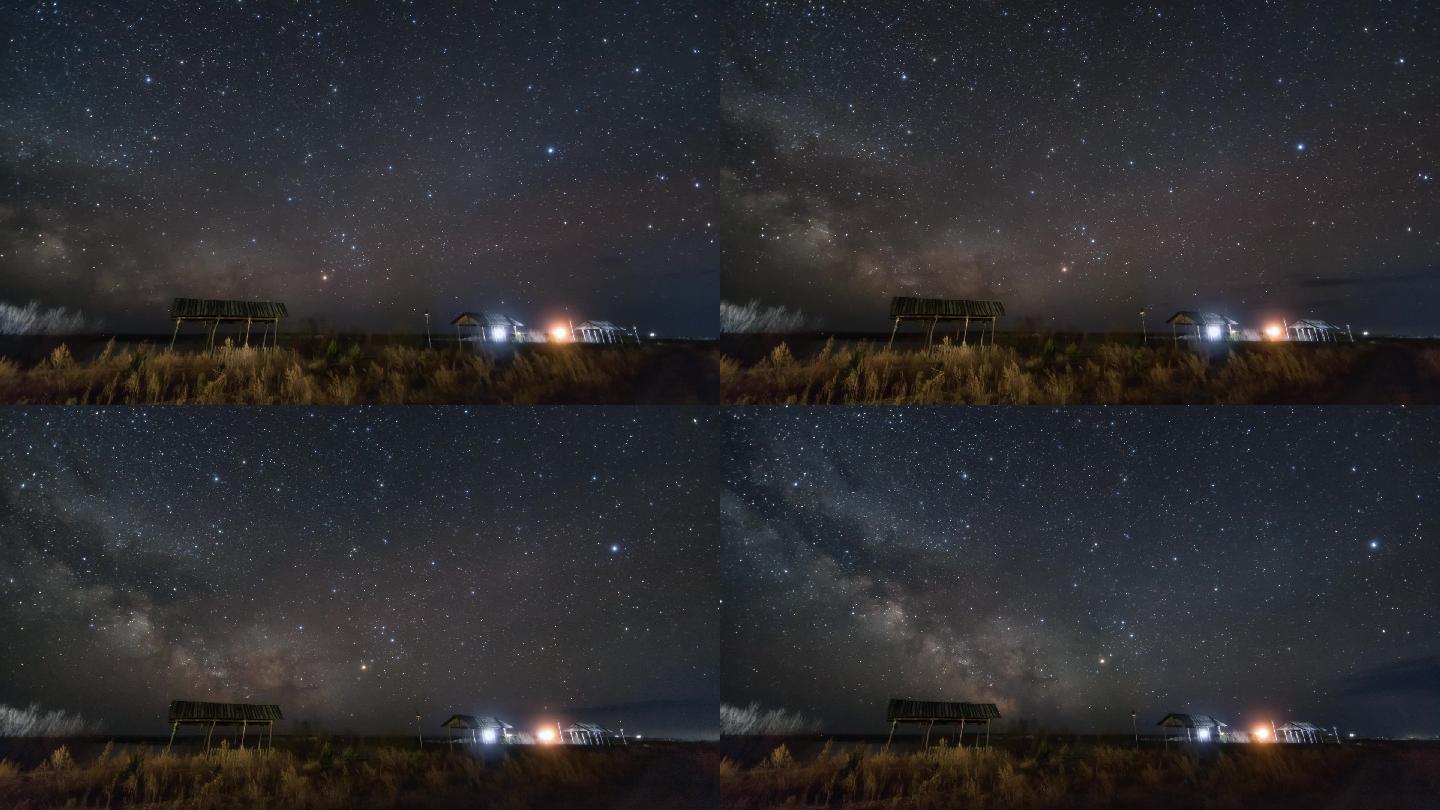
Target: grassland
(1052, 370)
(1041, 774)
(342, 372)
(334, 775)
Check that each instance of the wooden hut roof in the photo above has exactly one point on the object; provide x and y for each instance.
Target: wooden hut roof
(220, 309)
(904, 709)
(904, 307)
(601, 325)
(1189, 317)
(593, 728)
(461, 721)
(484, 319)
(1190, 721)
(200, 711)
(1313, 323)
(1300, 725)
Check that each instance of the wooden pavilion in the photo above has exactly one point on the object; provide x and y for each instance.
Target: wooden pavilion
(215, 311)
(604, 332)
(1312, 330)
(935, 310)
(244, 715)
(1207, 325)
(1297, 731)
(1197, 727)
(487, 327)
(487, 730)
(590, 734)
(930, 712)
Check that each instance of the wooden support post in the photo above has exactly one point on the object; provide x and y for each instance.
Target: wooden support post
(244, 726)
(893, 330)
(270, 738)
(892, 734)
(927, 735)
(176, 333)
(174, 725)
(247, 333)
(960, 743)
(965, 337)
(987, 733)
(213, 326)
(208, 732)
(930, 335)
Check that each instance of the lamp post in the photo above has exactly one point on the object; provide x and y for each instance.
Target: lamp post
(419, 732)
(428, 344)
(1135, 729)
(1144, 335)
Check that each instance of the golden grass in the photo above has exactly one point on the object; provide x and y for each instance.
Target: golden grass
(1066, 777)
(1051, 373)
(385, 375)
(383, 777)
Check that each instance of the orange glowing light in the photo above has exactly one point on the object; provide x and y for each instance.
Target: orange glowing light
(1273, 331)
(560, 333)
(546, 735)
(1262, 734)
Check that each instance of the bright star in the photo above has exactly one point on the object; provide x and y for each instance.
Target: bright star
(614, 548)
(1299, 147)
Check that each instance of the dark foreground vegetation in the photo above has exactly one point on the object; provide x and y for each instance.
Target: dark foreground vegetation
(361, 774)
(359, 371)
(1061, 370)
(1044, 774)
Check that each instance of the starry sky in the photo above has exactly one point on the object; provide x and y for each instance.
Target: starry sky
(357, 565)
(1073, 564)
(362, 162)
(1080, 161)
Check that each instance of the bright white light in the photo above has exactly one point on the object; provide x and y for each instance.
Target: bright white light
(1374, 544)
(487, 736)
(652, 334)
(559, 332)
(1262, 733)
(1365, 334)
(615, 548)
(1352, 734)
(498, 332)
(1214, 331)
(1202, 734)
(1273, 331)
(545, 735)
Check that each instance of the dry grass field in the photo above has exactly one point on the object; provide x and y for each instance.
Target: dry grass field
(1046, 775)
(356, 373)
(335, 776)
(1052, 371)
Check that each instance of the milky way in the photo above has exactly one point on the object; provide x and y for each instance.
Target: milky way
(361, 163)
(1072, 565)
(356, 566)
(1084, 160)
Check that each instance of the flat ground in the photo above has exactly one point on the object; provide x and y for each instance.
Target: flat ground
(351, 370)
(344, 772)
(1041, 772)
(1073, 369)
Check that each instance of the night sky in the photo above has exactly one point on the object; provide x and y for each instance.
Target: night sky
(355, 565)
(362, 162)
(1083, 160)
(1073, 564)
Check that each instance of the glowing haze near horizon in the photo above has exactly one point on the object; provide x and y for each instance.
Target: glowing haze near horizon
(362, 162)
(1081, 161)
(356, 566)
(1071, 565)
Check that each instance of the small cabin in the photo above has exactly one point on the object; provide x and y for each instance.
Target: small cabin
(479, 730)
(931, 712)
(590, 734)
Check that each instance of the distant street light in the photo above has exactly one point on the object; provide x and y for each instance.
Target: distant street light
(428, 344)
